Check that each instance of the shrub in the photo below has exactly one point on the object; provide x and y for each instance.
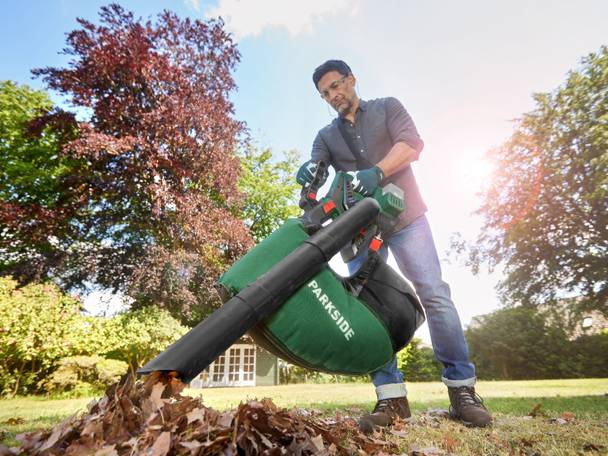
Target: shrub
(418, 364)
(39, 325)
(84, 375)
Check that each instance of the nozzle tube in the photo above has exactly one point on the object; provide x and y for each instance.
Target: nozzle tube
(205, 342)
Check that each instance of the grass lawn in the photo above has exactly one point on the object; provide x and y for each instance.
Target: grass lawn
(513, 432)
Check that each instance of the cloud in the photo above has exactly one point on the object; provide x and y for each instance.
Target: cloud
(194, 4)
(251, 18)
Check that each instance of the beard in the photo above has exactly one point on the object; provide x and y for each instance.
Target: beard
(345, 107)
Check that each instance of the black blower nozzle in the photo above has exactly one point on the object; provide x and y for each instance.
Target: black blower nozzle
(213, 336)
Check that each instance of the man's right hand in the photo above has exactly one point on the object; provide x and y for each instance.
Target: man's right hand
(306, 173)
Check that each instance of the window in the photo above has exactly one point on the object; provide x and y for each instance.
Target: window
(236, 367)
(248, 364)
(218, 369)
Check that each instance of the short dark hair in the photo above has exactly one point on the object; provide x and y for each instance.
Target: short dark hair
(331, 65)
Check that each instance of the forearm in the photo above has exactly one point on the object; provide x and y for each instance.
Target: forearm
(400, 156)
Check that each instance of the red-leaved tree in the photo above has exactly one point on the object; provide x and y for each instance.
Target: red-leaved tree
(151, 200)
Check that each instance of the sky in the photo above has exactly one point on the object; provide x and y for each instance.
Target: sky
(464, 70)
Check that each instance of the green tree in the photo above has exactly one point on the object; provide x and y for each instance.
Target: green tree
(519, 343)
(270, 189)
(155, 171)
(32, 172)
(546, 208)
(588, 355)
(418, 363)
(137, 336)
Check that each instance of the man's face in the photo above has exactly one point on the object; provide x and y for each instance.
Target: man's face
(339, 91)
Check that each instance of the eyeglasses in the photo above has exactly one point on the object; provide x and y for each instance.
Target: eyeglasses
(333, 87)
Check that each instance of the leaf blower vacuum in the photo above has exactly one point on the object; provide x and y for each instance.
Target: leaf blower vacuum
(285, 295)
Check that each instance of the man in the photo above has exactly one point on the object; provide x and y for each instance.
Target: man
(386, 139)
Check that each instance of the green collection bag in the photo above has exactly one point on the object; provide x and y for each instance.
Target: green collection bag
(324, 326)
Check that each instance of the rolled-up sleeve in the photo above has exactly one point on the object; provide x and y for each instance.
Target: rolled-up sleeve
(320, 151)
(401, 126)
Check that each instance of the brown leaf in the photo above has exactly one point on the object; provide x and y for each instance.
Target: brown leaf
(449, 443)
(53, 439)
(428, 451)
(14, 421)
(536, 411)
(593, 447)
(568, 416)
(6, 451)
(191, 445)
(318, 442)
(162, 445)
(225, 419)
(93, 429)
(156, 393)
(107, 451)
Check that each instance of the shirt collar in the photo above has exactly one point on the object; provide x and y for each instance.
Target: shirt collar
(362, 107)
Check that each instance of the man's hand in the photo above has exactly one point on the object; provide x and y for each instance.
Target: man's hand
(367, 180)
(306, 173)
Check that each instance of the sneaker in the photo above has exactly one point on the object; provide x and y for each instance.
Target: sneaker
(385, 411)
(467, 406)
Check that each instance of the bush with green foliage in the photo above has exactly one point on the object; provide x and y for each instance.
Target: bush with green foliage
(84, 375)
(38, 326)
(137, 336)
(523, 343)
(419, 364)
(588, 356)
(41, 328)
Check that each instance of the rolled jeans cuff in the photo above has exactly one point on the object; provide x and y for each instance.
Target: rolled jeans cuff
(456, 383)
(391, 391)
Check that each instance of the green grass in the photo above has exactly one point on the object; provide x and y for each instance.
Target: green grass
(421, 395)
(510, 402)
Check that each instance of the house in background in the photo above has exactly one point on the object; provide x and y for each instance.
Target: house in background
(243, 364)
(594, 322)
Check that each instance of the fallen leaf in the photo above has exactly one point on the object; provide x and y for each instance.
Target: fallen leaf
(192, 444)
(162, 445)
(536, 411)
(225, 419)
(318, 442)
(568, 416)
(437, 412)
(198, 414)
(593, 447)
(14, 421)
(155, 395)
(107, 451)
(428, 451)
(6, 451)
(449, 443)
(53, 439)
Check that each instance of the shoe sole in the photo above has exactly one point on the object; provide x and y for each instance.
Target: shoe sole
(469, 424)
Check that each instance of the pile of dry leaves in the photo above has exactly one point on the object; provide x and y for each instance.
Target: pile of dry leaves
(151, 417)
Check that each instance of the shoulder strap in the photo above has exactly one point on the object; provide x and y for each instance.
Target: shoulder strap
(362, 162)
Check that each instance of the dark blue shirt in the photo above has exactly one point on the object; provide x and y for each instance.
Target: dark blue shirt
(379, 125)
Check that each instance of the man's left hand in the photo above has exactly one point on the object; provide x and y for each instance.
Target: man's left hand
(367, 180)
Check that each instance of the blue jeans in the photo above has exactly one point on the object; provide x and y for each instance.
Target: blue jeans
(414, 250)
